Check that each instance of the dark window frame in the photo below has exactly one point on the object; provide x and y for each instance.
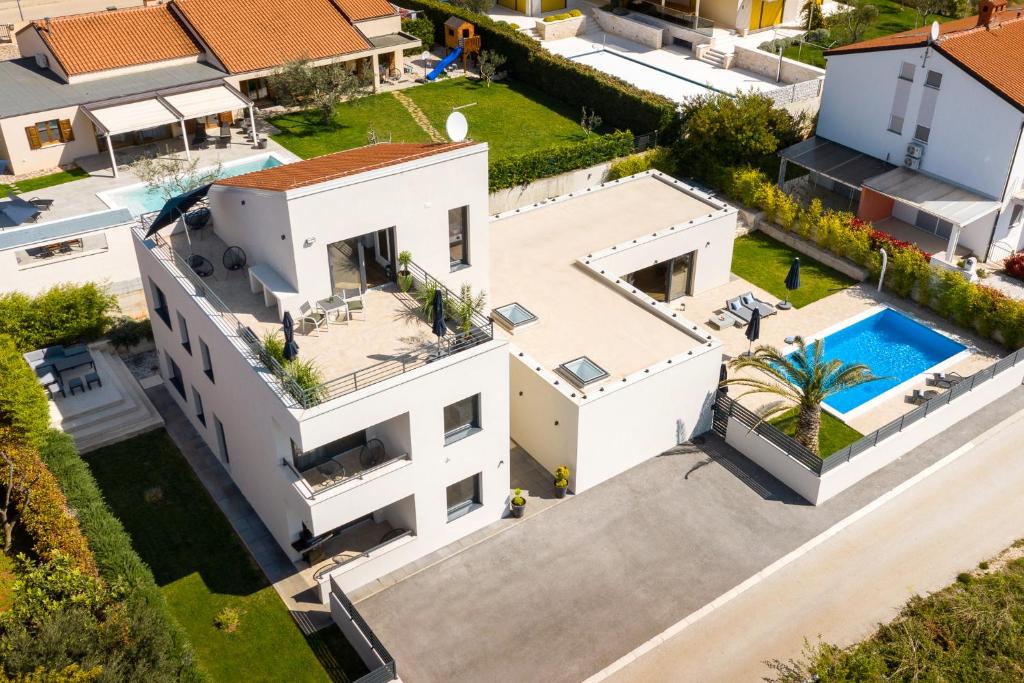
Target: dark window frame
(463, 241)
(468, 428)
(197, 402)
(186, 341)
(464, 507)
(174, 376)
(207, 360)
(160, 306)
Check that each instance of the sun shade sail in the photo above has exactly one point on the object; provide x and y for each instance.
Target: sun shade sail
(125, 118)
(205, 102)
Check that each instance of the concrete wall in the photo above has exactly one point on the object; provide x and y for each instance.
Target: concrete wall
(767, 64)
(546, 188)
(630, 29)
(380, 27)
(773, 459)
(24, 159)
(566, 28)
(353, 634)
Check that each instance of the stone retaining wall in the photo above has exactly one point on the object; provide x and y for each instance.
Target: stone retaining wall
(630, 29)
(767, 64)
(545, 188)
(564, 28)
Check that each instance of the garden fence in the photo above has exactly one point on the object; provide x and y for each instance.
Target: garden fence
(388, 670)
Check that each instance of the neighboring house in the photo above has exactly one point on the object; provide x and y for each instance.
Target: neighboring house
(91, 83)
(405, 446)
(925, 137)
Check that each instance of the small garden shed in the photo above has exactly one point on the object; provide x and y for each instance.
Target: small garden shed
(456, 30)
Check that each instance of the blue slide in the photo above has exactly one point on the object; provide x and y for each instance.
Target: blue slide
(444, 63)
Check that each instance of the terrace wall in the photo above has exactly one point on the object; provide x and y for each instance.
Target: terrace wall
(546, 188)
(767, 64)
(629, 28)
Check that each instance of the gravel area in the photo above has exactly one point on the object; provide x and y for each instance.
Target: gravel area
(143, 365)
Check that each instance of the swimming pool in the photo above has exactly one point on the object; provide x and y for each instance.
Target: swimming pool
(893, 346)
(644, 75)
(140, 199)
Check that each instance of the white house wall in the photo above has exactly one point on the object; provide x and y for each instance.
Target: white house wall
(24, 159)
(257, 221)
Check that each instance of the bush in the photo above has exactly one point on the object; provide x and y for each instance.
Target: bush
(24, 410)
(622, 105)
(575, 13)
(63, 314)
(818, 36)
(421, 28)
(522, 169)
(116, 558)
(1014, 265)
(659, 158)
(127, 332)
(228, 620)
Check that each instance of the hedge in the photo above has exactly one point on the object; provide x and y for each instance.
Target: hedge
(620, 104)
(525, 168)
(24, 410)
(112, 547)
(985, 309)
(64, 314)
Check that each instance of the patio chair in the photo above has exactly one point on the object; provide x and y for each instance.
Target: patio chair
(353, 299)
(946, 380)
(233, 259)
(54, 388)
(309, 314)
(736, 308)
(18, 211)
(750, 301)
(93, 378)
(41, 204)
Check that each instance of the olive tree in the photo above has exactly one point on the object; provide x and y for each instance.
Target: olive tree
(300, 83)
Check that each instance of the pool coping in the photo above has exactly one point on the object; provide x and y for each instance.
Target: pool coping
(902, 387)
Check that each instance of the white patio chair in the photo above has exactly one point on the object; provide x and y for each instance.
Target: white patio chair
(309, 314)
(354, 302)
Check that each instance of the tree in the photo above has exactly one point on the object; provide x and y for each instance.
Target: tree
(490, 62)
(422, 28)
(24, 410)
(173, 175)
(922, 8)
(17, 486)
(299, 83)
(851, 24)
(589, 121)
(811, 16)
(805, 379)
(719, 130)
(478, 6)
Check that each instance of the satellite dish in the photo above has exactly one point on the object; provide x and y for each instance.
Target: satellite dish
(934, 34)
(456, 126)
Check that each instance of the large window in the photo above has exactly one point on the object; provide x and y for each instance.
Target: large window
(222, 441)
(197, 403)
(1017, 217)
(174, 375)
(921, 133)
(461, 419)
(458, 237)
(934, 80)
(463, 496)
(52, 132)
(183, 333)
(160, 304)
(204, 351)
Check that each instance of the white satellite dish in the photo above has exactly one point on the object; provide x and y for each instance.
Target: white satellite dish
(934, 34)
(456, 126)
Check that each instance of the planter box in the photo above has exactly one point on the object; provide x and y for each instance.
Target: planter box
(565, 28)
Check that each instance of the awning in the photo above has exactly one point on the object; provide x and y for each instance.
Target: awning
(835, 161)
(949, 202)
(205, 102)
(124, 118)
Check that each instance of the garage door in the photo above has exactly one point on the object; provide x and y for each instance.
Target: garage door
(551, 5)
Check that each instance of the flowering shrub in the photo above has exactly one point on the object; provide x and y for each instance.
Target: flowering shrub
(1015, 265)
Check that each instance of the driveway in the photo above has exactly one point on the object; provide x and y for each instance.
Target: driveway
(570, 590)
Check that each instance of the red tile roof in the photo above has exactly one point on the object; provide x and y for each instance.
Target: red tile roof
(358, 10)
(338, 165)
(993, 54)
(99, 41)
(249, 35)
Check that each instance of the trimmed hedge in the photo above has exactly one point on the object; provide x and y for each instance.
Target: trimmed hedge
(659, 158)
(115, 556)
(525, 168)
(620, 104)
(63, 314)
(909, 274)
(24, 410)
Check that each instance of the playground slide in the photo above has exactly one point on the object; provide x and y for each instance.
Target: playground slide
(444, 63)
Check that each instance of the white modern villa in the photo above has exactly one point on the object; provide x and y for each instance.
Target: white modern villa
(587, 359)
(925, 137)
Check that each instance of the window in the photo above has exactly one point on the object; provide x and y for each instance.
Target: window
(461, 419)
(52, 132)
(895, 124)
(921, 133)
(1017, 217)
(901, 98)
(197, 402)
(463, 497)
(160, 304)
(458, 237)
(907, 71)
(222, 442)
(204, 352)
(183, 333)
(934, 80)
(174, 375)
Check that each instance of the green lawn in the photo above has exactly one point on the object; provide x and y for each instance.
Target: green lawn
(510, 118)
(834, 435)
(202, 567)
(892, 18)
(304, 134)
(43, 181)
(765, 262)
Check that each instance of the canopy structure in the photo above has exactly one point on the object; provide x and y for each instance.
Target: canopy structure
(124, 118)
(207, 101)
(834, 161)
(934, 196)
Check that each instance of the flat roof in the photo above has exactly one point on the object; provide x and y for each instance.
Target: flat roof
(835, 161)
(28, 89)
(533, 262)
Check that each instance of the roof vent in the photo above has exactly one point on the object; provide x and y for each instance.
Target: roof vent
(42, 61)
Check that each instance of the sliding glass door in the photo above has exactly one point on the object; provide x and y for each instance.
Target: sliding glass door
(667, 280)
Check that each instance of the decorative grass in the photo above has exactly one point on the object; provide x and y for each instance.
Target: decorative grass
(834, 435)
(43, 181)
(202, 567)
(763, 261)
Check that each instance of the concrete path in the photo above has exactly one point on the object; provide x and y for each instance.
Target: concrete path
(565, 593)
(917, 543)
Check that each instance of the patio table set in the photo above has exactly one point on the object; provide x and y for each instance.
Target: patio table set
(738, 311)
(54, 362)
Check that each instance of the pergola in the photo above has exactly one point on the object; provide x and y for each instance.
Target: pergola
(165, 107)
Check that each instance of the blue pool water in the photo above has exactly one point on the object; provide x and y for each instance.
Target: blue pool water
(140, 199)
(893, 346)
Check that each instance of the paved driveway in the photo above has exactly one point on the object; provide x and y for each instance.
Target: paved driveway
(567, 592)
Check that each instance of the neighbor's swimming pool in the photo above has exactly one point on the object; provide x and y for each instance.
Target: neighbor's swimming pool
(893, 346)
(140, 199)
(643, 75)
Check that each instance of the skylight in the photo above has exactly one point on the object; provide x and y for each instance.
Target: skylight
(582, 371)
(514, 315)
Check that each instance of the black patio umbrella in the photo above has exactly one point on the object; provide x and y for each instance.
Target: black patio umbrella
(291, 349)
(792, 281)
(753, 329)
(437, 313)
(175, 207)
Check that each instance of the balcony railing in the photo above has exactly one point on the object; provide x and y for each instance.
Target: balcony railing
(674, 16)
(310, 492)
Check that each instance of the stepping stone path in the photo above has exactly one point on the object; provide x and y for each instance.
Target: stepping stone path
(419, 117)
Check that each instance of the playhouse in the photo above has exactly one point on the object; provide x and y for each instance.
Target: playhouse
(460, 40)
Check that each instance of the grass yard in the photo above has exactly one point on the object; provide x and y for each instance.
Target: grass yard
(43, 181)
(765, 262)
(202, 567)
(834, 435)
(510, 118)
(304, 134)
(892, 18)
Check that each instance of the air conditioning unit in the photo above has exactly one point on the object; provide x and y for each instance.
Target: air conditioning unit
(915, 150)
(42, 62)
(912, 162)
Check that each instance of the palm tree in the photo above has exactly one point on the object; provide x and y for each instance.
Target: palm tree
(804, 378)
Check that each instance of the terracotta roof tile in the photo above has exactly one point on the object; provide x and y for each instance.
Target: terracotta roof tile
(358, 10)
(338, 165)
(248, 35)
(98, 41)
(992, 54)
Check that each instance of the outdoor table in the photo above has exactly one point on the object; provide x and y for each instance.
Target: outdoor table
(62, 365)
(332, 305)
(200, 265)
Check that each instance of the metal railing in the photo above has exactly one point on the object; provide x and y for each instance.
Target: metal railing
(344, 479)
(388, 670)
(331, 568)
(480, 330)
(674, 16)
(726, 407)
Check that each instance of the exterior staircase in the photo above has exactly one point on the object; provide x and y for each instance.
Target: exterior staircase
(717, 58)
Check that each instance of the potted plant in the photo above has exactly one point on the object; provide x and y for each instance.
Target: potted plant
(404, 276)
(561, 481)
(518, 503)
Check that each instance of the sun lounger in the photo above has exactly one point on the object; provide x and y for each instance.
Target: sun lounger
(946, 380)
(750, 301)
(41, 204)
(736, 308)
